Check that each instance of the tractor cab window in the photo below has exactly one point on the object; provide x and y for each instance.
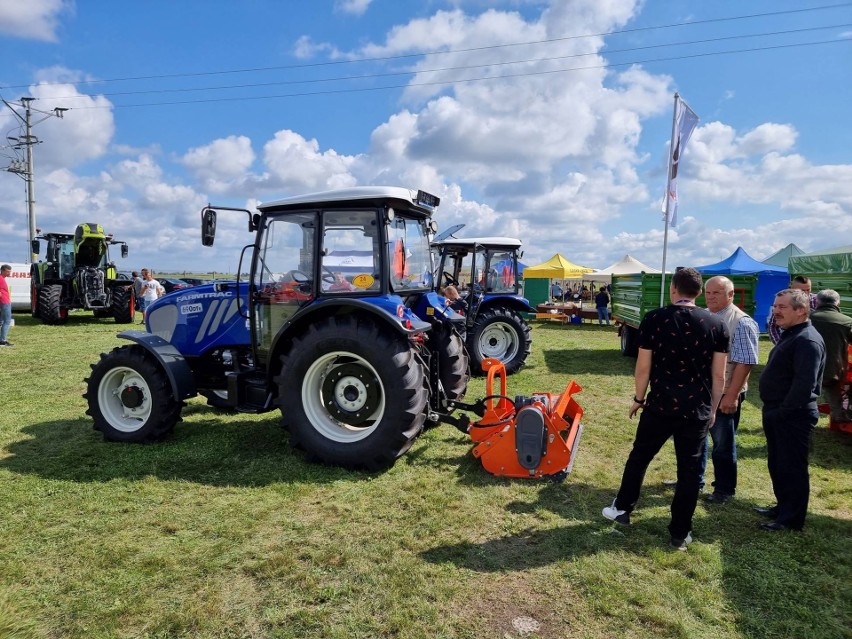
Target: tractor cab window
(66, 258)
(501, 268)
(284, 272)
(350, 242)
(408, 255)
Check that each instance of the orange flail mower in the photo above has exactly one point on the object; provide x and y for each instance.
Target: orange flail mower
(528, 437)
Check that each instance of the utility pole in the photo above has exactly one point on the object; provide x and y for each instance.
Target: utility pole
(27, 141)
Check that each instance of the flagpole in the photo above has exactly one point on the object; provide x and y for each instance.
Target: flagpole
(670, 165)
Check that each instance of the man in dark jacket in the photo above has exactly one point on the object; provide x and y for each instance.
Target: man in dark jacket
(836, 331)
(789, 387)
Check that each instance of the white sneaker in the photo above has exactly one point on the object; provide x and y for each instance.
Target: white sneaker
(681, 544)
(614, 514)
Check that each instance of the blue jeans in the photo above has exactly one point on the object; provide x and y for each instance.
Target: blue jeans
(5, 320)
(603, 314)
(724, 436)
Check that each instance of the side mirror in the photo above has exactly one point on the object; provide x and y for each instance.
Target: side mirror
(124, 250)
(208, 227)
(254, 222)
(35, 245)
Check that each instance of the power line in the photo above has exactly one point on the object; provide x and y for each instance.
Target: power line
(464, 80)
(464, 67)
(449, 51)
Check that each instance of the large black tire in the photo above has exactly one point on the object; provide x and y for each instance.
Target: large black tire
(629, 337)
(123, 305)
(351, 393)
(454, 366)
(34, 305)
(50, 306)
(130, 398)
(499, 333)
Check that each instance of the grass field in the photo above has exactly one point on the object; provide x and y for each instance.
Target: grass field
(223, 531)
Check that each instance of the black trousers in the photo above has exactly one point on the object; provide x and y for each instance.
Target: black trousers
(788, 436)
(689, 436)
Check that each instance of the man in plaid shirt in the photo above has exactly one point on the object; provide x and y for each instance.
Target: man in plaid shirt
(719, 294)
(802, 283)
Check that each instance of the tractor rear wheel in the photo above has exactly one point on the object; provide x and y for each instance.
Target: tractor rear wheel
(352, 394)
(50, 304)
(123, 306)
(499, 333)
(454, 366)
(130, 398)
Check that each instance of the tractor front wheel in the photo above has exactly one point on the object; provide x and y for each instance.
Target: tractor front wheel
(130, 398)
(499, 333)
(351, 393)
(123, 307)
(34, 308)
(50, 304)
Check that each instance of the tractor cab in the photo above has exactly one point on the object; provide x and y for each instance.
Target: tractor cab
(485, 272)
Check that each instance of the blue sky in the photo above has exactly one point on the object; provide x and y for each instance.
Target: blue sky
(174, 104)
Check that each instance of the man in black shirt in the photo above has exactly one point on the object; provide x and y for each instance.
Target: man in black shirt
(682, 355)
(789, 387)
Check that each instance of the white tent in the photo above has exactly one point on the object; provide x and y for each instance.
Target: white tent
(626, 264)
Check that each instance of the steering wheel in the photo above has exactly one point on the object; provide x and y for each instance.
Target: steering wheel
(328, 275)
(299, 277)
(449, 279)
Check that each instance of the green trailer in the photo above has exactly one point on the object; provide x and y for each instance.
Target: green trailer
(635, 294)
(827, 269)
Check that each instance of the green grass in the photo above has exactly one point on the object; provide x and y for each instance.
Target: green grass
(223, 531)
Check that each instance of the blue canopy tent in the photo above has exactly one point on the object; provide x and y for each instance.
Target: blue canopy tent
(770, 280)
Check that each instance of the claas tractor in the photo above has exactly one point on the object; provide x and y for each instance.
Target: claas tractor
(77, 273)
(336, 326)
(485, 272)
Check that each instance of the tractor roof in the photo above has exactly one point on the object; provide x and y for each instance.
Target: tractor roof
(470, 242)
(394, 196)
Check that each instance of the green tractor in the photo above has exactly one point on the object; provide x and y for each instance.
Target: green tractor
(77, 274)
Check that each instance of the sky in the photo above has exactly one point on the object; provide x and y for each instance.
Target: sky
(549, 121)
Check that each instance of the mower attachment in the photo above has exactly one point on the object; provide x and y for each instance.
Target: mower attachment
(529, 437)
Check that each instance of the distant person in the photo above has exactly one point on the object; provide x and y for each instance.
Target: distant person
(556, 291)
(5, 305)
(801, 283)
(341, 283)
(137, 290)
(454, 299)
(602, 305)
(835, 328)
(682, 355)
(789, 387)
(151, 290)
(744, 332)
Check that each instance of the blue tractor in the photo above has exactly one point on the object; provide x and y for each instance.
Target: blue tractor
(485, 272)
(337, 326)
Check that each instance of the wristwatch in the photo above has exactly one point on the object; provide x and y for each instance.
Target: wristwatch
(641, 402)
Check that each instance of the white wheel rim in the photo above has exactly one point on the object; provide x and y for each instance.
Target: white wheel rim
(314, 403)
(119, 416)
(498, 341)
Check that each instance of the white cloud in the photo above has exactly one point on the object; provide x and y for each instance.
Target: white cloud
(33, 19)
(221, 164)
(355, 7)
(295, 164)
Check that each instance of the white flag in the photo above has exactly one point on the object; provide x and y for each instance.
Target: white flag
(685, 122)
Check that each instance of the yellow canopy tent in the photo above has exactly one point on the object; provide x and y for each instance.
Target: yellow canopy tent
(557, 267)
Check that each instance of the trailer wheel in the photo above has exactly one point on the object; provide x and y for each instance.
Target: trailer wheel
(50, 304)
(130, 398)
(629, 348)
(123, 306)
(499, 333)
(454, 366)
(351, 393)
